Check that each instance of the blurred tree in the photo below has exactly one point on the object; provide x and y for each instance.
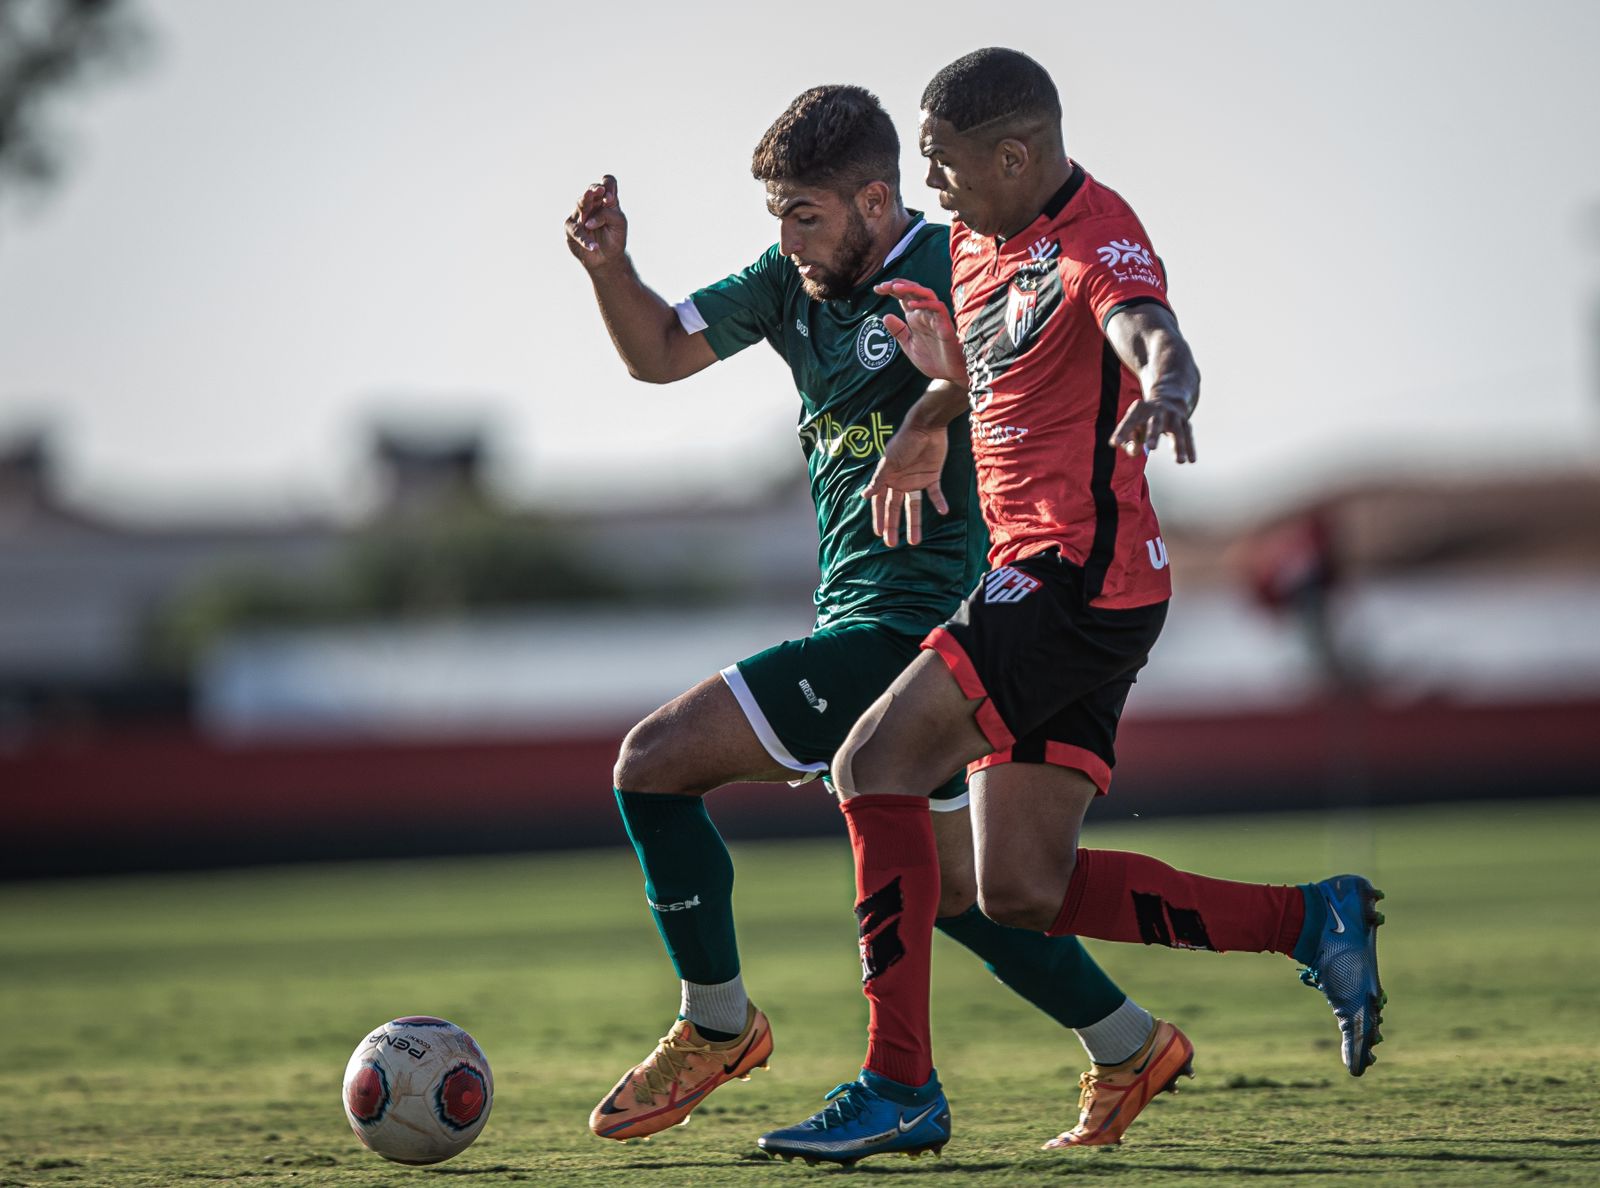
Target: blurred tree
(459, 559)
(47, 46)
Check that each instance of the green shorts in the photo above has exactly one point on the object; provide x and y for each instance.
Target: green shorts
(802, 696)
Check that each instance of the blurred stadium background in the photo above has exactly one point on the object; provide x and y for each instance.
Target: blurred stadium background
(424, 681)
(442, 663)
(330, 531)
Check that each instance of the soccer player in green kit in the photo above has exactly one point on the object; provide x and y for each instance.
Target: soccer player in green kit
(830, 164)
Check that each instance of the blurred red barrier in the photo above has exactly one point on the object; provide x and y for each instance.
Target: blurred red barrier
(117, 801)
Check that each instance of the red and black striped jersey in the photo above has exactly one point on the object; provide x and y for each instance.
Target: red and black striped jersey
(1047, 390)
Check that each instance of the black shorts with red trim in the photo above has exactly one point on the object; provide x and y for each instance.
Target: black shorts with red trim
(1053, 671)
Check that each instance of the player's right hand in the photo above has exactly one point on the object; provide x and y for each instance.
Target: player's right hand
(911, 464)
(597, 231)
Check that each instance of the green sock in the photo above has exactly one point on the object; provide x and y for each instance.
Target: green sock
(1055, 973)
(688, 879)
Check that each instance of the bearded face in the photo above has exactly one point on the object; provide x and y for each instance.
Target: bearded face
(846, 265)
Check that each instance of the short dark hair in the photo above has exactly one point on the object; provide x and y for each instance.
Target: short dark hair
(835, 136)
(990, 85)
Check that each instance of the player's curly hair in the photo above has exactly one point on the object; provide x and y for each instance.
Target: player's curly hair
(834, 136)
(990, 86)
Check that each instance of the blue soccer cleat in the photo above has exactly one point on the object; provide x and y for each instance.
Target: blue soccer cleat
(1345, 968)
(872, 1116)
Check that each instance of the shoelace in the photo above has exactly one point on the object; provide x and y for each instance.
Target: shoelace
(669, 1061)
(846, 1103)
(1086, 1084)
(1311, 978)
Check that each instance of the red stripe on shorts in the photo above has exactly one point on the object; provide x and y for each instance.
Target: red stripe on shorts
(1058, 754)
(960, 665)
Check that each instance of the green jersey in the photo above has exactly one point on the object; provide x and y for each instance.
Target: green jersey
(855, 387)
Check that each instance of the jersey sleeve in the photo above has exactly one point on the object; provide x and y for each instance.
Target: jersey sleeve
(741, 309)
(1117, 266)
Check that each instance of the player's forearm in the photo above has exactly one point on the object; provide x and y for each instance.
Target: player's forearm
(643, 327)
(942, 403)
(1170, 372)
(1147, 340)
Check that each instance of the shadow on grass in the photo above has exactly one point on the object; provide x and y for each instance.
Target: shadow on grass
(902, 1167)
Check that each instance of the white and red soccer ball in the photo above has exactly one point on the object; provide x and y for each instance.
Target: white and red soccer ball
(418, 1090)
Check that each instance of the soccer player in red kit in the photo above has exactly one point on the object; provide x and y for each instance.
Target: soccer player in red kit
(1074, 369)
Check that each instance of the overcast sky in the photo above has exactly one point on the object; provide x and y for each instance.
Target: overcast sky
(1381, 220)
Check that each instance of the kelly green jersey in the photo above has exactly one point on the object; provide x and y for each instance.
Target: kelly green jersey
(855, 386)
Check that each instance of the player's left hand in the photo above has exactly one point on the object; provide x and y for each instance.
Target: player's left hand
(927, 333)
(911, 464)
(1148, 420)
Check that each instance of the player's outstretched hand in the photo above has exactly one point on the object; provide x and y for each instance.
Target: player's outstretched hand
(1148, 420)
(911, 464)
(926, 334)
(597, 231)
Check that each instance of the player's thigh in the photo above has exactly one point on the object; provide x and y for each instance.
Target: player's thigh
(779, 714)
(698, 741)
(1029, 801)
(958, 881)
(803, 695)
(918, 734)
(1025, 823)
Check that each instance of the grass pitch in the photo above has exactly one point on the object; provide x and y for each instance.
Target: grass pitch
(187, 1029)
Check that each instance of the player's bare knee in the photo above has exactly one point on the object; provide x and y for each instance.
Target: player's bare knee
(643, 762)
(864, 761)
(1018, 905)
(843, 766)
(632, 769)
(956, 896)
(839, 776)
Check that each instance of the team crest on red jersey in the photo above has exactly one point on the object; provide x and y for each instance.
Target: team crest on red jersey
(1022, 304)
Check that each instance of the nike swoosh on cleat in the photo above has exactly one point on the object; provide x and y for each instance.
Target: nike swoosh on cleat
(918, 1120)
(739, 1059)
(1151, 1055)
(609, 1105)
(1337, 921)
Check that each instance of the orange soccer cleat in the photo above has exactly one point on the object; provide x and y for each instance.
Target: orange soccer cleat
(1111, 1096)
(678, 1076)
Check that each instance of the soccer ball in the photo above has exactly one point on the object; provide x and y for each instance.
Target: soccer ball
(418, 1090)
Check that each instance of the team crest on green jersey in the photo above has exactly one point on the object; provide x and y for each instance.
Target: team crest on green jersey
(875, 346)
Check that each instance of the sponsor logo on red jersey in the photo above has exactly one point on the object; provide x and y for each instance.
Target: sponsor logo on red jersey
(1130, 261)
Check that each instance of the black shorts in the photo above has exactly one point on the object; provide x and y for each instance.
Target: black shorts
(1053, 671)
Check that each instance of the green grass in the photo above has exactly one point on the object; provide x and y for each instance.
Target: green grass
(192, 1029)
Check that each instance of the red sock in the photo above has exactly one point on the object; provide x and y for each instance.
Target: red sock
(1132, 897)
(897, 897)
